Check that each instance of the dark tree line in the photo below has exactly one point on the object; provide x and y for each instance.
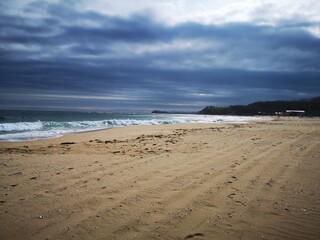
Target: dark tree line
(310, 106)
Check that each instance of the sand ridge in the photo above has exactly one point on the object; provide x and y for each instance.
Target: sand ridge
(192, 181)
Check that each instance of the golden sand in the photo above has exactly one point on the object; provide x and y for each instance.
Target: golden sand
(257, 180)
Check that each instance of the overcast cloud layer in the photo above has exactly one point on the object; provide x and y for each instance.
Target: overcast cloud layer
(144, 55)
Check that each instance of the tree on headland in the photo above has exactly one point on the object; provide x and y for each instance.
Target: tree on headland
(310, 106)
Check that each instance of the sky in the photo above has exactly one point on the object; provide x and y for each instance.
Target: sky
(142, 55)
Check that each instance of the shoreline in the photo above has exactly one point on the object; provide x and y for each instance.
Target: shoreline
(103, 132)
(25, 131)
(180, 181)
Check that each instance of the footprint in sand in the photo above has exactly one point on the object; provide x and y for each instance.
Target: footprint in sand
(194, 235)
(231, 195)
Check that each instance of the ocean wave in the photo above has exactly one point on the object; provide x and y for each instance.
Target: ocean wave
(20, 126)
(23, 131)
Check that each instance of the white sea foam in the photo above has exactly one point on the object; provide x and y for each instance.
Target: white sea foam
(20, 126)
(23, 131)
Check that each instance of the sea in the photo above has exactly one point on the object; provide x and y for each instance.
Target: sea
(17, 126)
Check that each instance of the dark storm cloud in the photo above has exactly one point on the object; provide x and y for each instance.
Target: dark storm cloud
(69, 53)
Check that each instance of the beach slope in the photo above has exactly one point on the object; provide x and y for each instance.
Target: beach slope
(258, 180)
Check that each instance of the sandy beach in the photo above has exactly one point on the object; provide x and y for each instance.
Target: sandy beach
(259, 180)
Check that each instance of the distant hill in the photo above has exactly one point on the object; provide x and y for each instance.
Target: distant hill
(171, 112)
(310, 106)
(158, 111)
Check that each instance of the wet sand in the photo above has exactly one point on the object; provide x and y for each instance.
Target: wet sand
(258, 180)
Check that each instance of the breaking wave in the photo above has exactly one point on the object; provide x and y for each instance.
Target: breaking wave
(23, 131)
